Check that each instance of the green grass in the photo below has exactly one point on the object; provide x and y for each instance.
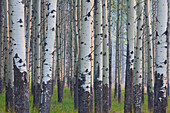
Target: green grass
(67, 106)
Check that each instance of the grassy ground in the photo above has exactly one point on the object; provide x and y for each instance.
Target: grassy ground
(67, 106)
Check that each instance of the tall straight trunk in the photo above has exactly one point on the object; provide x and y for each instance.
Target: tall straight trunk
(28, 36)
(19, 59)
(154, 27)
(11, 71)
(1, 47)
(110, 53)
(6, 53)
(98, 55)
(33, 48)
(85, 58)
(117, 64)
(150, 55)
(105, 58)
(37, 68)
(76, 54)
(143, 65)
(131, 16)
(137, 79)
(47, 65)
(161, 58)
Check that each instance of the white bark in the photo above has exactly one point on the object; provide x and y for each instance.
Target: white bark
(50, 39)
(105, 45)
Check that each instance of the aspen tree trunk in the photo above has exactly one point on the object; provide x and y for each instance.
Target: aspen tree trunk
(137, 81)
(85, 58)
(33, 47)
(92, 63)
(59, 82)
(47, 65)
(1, 47)
(150, 86)
(105, 58)
(117, 68)
(76, 55)
(11, 71)
(37, 54)
(154, 27)
(110, 53)
(98, 55)
(143, 64)
(28, 37)
(131, 16)
(6, 50)
(161, 58)
(19, 59)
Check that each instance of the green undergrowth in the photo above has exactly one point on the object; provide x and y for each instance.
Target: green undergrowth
(67, 106)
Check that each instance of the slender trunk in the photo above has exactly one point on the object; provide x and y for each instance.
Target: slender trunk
(131, 16)
(1, 47)
(110, 54)
(98, 55)
(37, 54)
(47, 65)
(161, 58)
(105, 59)
(150, 56)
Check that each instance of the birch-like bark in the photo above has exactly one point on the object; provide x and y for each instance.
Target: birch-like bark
(98, 55)
(76, 54)
(47, 65)
(105, 58)
(150, 87)
(37, 67)
(28, 37)
(131, 16)
(137, 79)
(85, 58)
(161, 58)
(19, 59)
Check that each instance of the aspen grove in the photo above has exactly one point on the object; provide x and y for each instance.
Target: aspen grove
(84, 56)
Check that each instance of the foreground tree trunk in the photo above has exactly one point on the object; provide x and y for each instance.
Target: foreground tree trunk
(98, 55)
(85, 58)
(137, 79)
(161, 58)
(130, 56)
(48, 58)
(19, 57)
(105, 59)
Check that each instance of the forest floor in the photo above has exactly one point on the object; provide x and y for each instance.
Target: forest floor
(67, 106)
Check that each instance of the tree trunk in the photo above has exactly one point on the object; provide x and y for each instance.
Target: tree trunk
(110, 53)
(161, 58)
(105, 58)
(150, 55)
(131, 16)
(98, 55)
(137, 79)
(85, 56)
(47, 65)
(19, 59)
(1, 47)
(37, 54)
